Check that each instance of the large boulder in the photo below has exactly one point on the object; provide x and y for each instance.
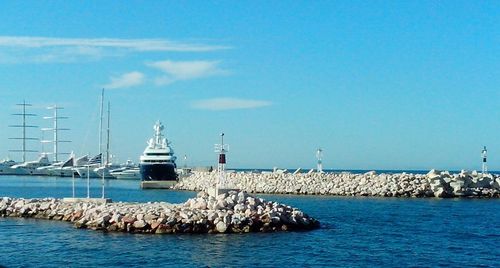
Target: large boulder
(457, 186)
(496, 184)
(433, 174)
(139, 224)
(483, 182)
(441, 192)
(221, 227)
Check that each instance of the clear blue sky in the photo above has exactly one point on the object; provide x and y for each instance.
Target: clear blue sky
(376, 84)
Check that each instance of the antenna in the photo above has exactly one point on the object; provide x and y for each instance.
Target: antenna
(55, 129)
(319, 156)
(484, 154)
(24, 126)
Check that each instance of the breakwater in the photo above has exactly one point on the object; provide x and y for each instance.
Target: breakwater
(232, 212)
(433, 184)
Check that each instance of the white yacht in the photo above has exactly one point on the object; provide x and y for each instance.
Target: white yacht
(83, 170)
(46, 170)
(5, 166)
(126, 173)
(30, 168)
(105, 171)
(86, 168)
(65, 169)
(158, 160)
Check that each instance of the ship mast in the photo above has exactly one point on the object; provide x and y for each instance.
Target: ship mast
(107, 133)
(55, 129)
(24, 126)
(100, 123)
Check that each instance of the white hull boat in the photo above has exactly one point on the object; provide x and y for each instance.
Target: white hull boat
(31, 168)
(83, 171)
(126, 173)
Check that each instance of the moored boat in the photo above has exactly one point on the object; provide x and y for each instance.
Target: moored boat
(126, 173)
(5, 166)
(31, 167)
(158, 159)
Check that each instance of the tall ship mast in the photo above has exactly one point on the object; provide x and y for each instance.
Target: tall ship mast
(24, 126)
(55, 130)
(107, 135)
(100, 121)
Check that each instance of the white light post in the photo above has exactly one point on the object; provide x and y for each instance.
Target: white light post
(484, 154)
(221, 149)
(319, 156)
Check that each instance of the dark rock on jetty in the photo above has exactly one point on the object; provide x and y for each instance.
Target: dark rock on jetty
(233, 212)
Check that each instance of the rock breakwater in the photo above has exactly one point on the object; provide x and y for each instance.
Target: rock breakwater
(433, 184)
(233, 212)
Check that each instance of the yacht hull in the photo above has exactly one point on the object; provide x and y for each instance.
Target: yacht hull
(61, 172)
(127, 174)
(82, 172)
(158, 172)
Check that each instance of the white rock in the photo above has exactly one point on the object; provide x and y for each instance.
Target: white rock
(221, 227)
(139, 224)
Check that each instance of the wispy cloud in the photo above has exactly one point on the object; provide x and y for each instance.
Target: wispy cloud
(48, 49)
(134, 44)
(186, 70)
(126, 80)
(217, 104)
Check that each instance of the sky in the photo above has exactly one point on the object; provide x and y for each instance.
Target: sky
(375, 84)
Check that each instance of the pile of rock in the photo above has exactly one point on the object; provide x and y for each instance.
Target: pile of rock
(233, 212)
(433, 184)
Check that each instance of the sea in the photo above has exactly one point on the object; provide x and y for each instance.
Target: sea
(355, 232)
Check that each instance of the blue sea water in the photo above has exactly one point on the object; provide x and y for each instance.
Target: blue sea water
(355, 232)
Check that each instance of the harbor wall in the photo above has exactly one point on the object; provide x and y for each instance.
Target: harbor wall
(433, 184)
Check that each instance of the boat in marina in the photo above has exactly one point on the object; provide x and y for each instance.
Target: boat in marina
(46, 170)
(105, 171)
(79, 162)
(67, 168)
(126, 173)
(157, 163)
(86, 170)
(5, 166)
(31, 167)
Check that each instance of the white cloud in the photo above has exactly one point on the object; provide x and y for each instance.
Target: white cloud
(133, 44)
(229, 104)
(47, 49)
(126, 80)
(186, 70)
